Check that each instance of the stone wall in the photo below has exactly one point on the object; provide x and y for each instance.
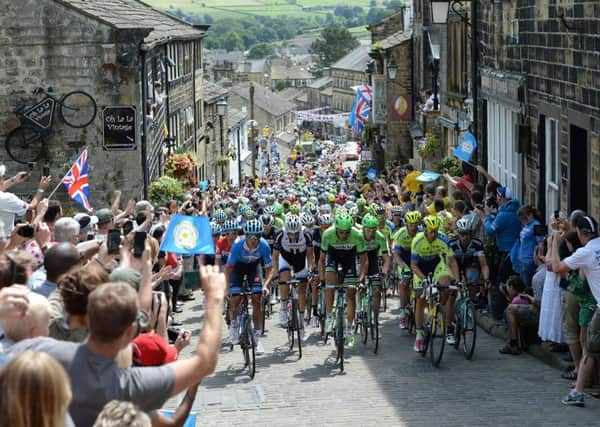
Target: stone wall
(43, 43)
(389, 25)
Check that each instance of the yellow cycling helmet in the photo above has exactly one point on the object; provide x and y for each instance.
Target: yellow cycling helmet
(432, 223)
(413, 217)
(331, 198)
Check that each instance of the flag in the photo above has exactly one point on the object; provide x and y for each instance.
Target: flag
(77, 182)
(428, 176)
(466, 148)
(361, 108)
(188, 235)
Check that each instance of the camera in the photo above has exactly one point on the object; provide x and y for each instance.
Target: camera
(490, 202)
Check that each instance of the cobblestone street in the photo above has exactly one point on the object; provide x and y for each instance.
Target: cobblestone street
(395, 387)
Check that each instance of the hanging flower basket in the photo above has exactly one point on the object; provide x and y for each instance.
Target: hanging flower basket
(181, 166)
(223, 161)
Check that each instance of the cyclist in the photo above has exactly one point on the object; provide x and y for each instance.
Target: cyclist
(376, 246)
(431, 255)
(293, 249)
(216, 235)
(223, 248)
(325, 221)
(341, 245)
(244, 262)
(469, 254)
(402, 241)
(396, 218)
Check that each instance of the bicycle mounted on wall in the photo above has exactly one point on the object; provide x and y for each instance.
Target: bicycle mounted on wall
(27, 143)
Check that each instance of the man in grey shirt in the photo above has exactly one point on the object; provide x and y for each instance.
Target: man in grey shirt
(113, 322)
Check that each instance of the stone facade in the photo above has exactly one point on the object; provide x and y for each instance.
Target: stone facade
(387, 26)
(555, 46)
(65, 46)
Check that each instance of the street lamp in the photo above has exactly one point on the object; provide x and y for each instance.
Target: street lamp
(439, 11)
(392, 69)
(221, 111)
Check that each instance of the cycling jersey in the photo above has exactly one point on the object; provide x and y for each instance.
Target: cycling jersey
(342, 252)
(294, 253)
(386, 230)
(316, 239)
(402, 241)
(467, 257)
(270, 236)
(223, 249)
(244, 262)
(376, 248)
(278, 223)
(429, 254)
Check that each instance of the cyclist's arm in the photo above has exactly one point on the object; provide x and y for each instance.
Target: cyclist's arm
(386, 263)
(414, 266)
(485, 269)
(397, 259)
(275, 257)
(310, 256)
(364, 266)
(322, 265)
(453, 266)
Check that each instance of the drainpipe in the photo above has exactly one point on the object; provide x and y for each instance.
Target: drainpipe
(144, 139)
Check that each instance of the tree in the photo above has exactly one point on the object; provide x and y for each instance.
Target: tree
(332, 44)
(233, 41)
(261, 50)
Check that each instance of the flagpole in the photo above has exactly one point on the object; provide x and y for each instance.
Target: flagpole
(55, 189)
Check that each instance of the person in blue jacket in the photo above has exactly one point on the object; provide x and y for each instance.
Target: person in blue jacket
(527, 243)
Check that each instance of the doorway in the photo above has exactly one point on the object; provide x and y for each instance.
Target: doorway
(578, 167)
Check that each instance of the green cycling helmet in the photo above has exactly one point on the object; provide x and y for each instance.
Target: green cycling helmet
(361, 202)
(295, 210)
(278, 209)
(369, 221)
(343, 222)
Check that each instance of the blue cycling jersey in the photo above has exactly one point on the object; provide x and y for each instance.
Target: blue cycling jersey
(240, 253)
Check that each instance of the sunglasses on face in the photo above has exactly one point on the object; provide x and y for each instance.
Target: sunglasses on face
(252, 237)
(343, 232)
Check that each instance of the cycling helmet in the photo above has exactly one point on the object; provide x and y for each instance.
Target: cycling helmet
(293, 224)
(413, 217)
(249, 214)
(369, 221)
(325, 219)
(215, 228)
(464, 224)
(325, 209)
(229, 225)
(353, 211)
(267, 220)
(253, 226)
(396, 210)
(307, 219)
(220, 215)
(313, 210)
(331, 198)
(295, 210)
(270, 198)
(361, 202)
(343, 222)
(432, 223)
(261, 203)
(379, 211)
(341, 198)
(269, 210)
(278, 209)
(291, 198)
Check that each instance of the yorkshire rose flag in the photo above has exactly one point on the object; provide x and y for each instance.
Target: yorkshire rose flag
(188, 235)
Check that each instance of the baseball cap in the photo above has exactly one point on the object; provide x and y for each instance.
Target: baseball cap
(504, 192)
(127, 275)
(149, 349)
(104, 215)
(85, 222)
(587, 224)
(142, 206)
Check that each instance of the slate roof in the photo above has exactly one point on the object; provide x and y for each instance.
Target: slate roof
(135, 14)
(320, 82)
(356, 60)
(252, 66)
(265, 99)
(293, 72)
(395, 39)
(235, 116)
(212, 91)
(290, 93)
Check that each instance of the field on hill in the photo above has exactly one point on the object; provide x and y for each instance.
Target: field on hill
(239, 8)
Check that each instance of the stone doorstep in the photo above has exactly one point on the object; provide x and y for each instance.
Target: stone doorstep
(540, 351)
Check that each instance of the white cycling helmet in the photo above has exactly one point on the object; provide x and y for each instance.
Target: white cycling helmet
(293, 224)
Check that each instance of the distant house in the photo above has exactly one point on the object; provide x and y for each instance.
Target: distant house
(270, 109)
(252, 70)
(212, 147)
(348, 72)
(319, 93)
(290, 76)
(297, 96)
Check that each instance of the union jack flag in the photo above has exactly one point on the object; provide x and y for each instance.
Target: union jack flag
(76, 181)
(361, 108)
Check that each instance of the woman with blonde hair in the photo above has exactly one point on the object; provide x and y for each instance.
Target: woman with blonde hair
(34, 392)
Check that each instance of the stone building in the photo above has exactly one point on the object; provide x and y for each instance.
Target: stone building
(213, 148)
(348, 72)
(539, 109)
(285, 75)
(124, 54)
(319, 93)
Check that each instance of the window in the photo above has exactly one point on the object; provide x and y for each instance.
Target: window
(197, 55)
(198, 114)
(552, 166)
(173, 64)
(457, 57)
(187, 58)
(174, 129)
(514, 31)
(504, 163)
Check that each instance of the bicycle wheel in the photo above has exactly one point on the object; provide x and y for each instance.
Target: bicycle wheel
(290, 330)
(375, 334)
(469, 331)
(252, 351)
(457, 329)
(77, 109)
(384, 294)
(364, 327)
(25, 144)
(264, 305)
(245, 343)
(299, 326)
(438, 336)
(340, 344)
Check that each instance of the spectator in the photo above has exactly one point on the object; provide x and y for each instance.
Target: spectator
(58, 260)
(53, 214)
(505, 227)
(69, 303)
(35, 392)
(586, 260)
(550, 328)
(34, 323)
(113, 313)
(66, 229)
(522, 312)
(527, 243)
(122, 414)
(15, 268)
(86, 224)
(105, 223)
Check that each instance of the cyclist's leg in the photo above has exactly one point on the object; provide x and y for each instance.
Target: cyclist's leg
(419, 313)
(331, 280)
(235, 288)
(404, 287)
(350, 282)
(376, 284)
(256, 285)
(284, 290)
(443, 276)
